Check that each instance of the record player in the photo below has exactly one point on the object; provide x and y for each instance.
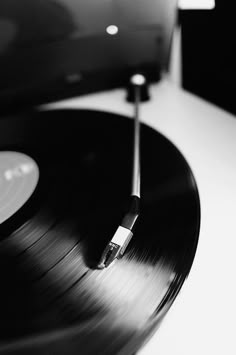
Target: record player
(67, 146)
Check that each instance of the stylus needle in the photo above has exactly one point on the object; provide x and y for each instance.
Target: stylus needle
(118, 244)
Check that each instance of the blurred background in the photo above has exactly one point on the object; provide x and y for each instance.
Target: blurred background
(207, 54)
(208, 50)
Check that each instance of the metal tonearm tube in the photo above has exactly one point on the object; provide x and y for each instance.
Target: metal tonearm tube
(118, 244)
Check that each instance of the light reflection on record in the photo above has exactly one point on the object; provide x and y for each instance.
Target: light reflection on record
(49, 258)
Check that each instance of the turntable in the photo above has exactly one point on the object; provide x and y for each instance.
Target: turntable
(67, 138)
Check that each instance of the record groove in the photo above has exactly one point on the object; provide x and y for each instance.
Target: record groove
(49, 249)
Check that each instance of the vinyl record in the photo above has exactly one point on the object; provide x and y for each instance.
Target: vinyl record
(53, 298)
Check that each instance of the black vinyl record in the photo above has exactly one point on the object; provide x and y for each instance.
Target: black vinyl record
(53, 300)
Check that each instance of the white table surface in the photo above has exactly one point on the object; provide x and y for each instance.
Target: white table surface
(202, 318)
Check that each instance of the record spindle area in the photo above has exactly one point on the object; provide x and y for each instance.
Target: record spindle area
(52, 296)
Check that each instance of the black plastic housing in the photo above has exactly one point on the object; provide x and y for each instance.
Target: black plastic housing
(55, 49)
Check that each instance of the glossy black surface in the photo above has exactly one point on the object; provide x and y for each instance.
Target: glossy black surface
(55, 48)
(52, 300)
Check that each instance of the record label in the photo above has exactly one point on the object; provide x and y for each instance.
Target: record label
(19, 176)
(54, 299)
